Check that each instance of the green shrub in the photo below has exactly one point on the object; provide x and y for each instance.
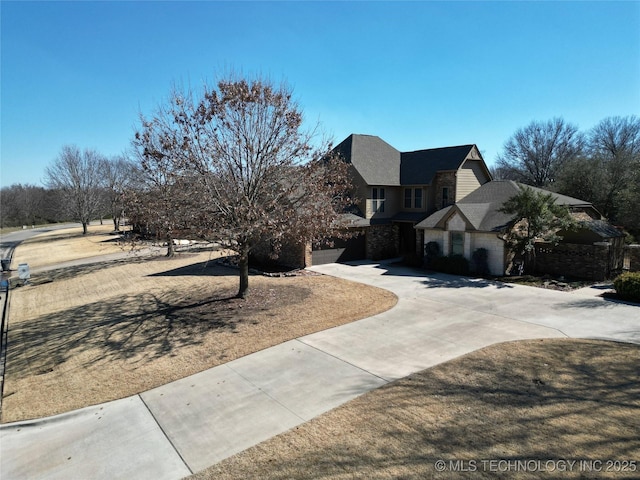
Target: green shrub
(627, 286)
(453, 264)
(431, 253)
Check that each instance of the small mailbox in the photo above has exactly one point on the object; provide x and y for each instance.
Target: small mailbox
(23, 271)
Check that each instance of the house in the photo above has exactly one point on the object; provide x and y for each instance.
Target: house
(476, 221)
(395, 191)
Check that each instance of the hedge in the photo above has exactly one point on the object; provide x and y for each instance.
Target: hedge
(627, 286)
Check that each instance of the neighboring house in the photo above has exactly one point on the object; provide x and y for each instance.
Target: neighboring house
(477, 222)
(396, 190)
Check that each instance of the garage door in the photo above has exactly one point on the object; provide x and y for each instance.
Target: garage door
(341, 251)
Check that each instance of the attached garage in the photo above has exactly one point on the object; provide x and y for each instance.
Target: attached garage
(351, 249)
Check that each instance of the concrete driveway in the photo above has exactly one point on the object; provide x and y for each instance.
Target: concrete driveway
(192, 423)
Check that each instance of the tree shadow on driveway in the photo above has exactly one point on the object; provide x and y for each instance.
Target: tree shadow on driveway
(440, 280)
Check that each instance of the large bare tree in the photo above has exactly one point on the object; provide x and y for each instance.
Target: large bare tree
(608, 174)
(535, 154)
(254, 172)
(78, 177)
(159, 195)
(117, 174)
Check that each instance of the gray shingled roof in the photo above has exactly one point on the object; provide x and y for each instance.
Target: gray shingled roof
(420, 167)
(482, 206)
(380, 164)
(377, 162)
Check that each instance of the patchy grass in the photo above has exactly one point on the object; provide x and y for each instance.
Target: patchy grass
(87, 334)
(574, 400)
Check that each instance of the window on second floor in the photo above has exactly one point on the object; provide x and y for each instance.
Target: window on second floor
(407, 198)
(445, 197)
(413, 198)
(377, 199)
(417, 198)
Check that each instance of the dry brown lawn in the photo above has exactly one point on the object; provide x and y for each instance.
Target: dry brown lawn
(59, 246)
(573, 400)
(92, 333)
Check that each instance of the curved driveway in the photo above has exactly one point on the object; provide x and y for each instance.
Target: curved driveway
(195, 422)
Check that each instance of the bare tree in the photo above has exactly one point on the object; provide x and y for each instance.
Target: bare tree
(608, 173)
(258, 176)
(77, 176)
(615, 144)
(23, 205)
(117, 173)
(535, 154)
(159, 196)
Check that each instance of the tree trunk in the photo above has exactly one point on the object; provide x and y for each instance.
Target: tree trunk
(170, 249)
(530, 262)
(116, 224)
(243, 263)
(84, 228)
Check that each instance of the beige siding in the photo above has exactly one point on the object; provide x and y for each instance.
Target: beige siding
(470, 176)
(391, 204)
(361, 190)
(456, 223)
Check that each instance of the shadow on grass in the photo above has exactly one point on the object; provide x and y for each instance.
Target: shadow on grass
(141, 327)
(571, 400)
(207, 269)
(67, 272)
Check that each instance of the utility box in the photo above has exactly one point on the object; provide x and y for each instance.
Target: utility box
(23, 271)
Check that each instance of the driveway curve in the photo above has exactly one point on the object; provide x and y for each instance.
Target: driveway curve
(187, 425)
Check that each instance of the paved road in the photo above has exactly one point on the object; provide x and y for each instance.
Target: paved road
(8, 243)
(187, 425)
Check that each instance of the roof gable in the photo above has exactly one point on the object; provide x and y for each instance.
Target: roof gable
(481, 208)
(378, 163)
(421, 166)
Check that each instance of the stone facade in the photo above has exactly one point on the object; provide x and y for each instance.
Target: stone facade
(444, 179)
(382, 242)
(292, 254)
(591, 262)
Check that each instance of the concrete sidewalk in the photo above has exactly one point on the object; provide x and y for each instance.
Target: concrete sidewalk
(192, 423)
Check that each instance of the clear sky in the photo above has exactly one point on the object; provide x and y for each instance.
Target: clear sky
(417, 74)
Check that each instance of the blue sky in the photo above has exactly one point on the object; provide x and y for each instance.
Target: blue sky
(417, 74)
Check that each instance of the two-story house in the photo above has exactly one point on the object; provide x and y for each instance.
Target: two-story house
(396, 190)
